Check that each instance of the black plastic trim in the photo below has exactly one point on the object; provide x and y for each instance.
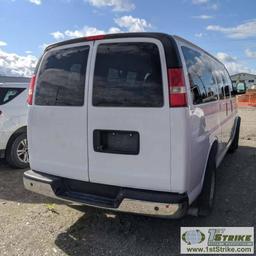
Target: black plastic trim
(2, 153)
(108, 196)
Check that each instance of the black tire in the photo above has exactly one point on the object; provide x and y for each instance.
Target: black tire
(205, 200)
(12, 157)
(234, 144)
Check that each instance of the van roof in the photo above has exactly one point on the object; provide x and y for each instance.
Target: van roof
(169, 42)
(171, 51)
(156, 35)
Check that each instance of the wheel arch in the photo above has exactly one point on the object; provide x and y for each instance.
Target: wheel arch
(213, 149)
(14, 135)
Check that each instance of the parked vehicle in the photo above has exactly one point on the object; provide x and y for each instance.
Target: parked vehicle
(134, 122)
(13, 124)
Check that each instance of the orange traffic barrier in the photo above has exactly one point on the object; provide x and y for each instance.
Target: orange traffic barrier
(248, 99)
(243, 98)
(252, 100)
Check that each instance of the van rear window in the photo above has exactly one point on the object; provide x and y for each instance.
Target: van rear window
(128, 75)
(8, 94)
(61, 79)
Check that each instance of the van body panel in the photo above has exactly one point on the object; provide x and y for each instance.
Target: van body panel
(150, 169)
(57, 135)
(62, 149)
(157, 148)
(180, 149)
(207, 122)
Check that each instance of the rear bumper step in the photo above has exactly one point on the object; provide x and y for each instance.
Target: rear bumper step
(106, 196)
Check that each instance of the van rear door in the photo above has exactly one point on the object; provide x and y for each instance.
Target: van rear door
(128, 114)
(57, 130)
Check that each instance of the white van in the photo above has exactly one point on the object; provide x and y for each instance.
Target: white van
(134, 122)
(13, 124)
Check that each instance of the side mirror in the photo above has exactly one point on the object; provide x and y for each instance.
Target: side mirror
(240, 88)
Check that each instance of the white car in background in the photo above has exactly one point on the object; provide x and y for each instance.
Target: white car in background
(13, 124)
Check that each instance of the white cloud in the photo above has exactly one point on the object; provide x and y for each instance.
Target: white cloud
(200, 1)
(28, 52)
(203, 17)
(76, 33)
(250, 54)
(58, 35)
(233, 65)
(199, 35)
(242, 31)
(43, 46)
(213, 7)
(2, 43)
(36, 2)
(85, 31)
(133, 24)
(224, 57)
(208, 4)
(125, 23)
(114, 30)
(16, 65)
(116, 5)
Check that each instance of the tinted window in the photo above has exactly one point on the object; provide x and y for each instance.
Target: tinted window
(8, 94)
(200, 71)
(61, 79)
(228, 84)
(220, 80)
(128, 75)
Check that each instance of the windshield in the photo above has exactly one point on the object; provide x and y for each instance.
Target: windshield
(8, 94)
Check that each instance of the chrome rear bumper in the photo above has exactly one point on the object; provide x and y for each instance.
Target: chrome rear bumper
(126, 200)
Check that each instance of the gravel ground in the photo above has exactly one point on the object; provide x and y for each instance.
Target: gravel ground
(34, 225)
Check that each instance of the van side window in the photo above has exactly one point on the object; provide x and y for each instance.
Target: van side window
(200, 72)
(128, 75)
(219, 76)
(228, 83)
(61, 79)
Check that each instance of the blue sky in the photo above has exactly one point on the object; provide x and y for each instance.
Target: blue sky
(225, 28)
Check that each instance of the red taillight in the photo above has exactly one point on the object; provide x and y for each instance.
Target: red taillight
(97, 37)
(31, 90)
(177, 88)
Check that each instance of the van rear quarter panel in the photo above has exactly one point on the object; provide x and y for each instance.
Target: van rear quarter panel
(193, 131)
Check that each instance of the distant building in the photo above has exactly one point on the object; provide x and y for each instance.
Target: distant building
(248, 79)
(11, 79)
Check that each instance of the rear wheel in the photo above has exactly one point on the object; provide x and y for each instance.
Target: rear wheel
(206, 198)
(17, 152)
(234, 144)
